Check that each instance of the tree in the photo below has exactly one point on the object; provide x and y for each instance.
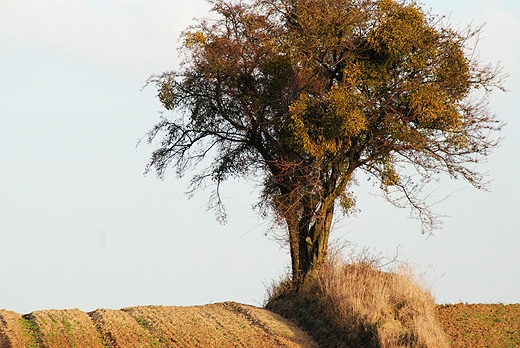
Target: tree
(305, 93)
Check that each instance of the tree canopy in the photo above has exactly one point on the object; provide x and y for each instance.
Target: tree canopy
(305, 93)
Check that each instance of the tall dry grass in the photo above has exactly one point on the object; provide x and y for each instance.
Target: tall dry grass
(359, 305)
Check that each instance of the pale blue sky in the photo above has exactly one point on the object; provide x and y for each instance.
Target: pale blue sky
(81, 227)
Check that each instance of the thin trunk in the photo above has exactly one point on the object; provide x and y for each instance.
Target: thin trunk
(294, 247)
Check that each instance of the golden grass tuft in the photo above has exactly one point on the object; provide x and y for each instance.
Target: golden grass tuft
(359, 305)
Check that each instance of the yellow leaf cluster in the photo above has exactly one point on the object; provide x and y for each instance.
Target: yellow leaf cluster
(194, 39)
(344, 116)
(166, 93)
(398, 30)
(389, 176)
(322, 128)
(433, 109)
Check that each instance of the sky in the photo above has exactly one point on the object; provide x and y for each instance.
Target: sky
(82, 227)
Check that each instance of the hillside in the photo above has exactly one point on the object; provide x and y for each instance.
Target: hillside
(226, 324)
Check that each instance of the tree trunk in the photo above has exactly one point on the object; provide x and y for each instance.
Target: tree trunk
(312, 236)
(294, 249)
(309, 220)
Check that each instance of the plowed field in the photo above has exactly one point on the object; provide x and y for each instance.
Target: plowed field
(481, 325)
(226, 324)
(218, 325)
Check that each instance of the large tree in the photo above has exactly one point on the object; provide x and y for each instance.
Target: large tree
(305, 93)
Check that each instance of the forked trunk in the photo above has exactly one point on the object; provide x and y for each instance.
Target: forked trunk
(309, 243)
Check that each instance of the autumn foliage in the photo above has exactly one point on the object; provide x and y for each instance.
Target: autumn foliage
(304, 94)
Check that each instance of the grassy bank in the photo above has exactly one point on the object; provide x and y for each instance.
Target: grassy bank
(359, 305)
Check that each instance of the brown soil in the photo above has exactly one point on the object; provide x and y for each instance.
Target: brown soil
(481, 325)
(226, 324)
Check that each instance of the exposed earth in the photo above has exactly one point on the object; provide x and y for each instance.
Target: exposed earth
(481, 325)
(226, 324)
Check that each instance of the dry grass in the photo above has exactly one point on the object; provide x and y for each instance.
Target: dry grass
(358, 305)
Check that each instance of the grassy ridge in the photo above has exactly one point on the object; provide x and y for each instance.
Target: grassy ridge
(358, 305)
